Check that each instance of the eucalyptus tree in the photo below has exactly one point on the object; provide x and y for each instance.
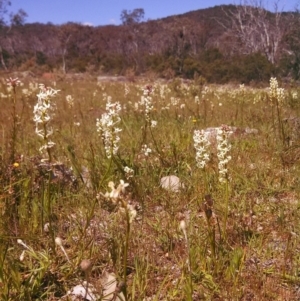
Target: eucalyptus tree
(7, 20)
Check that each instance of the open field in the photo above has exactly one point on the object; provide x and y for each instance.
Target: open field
(84, 207)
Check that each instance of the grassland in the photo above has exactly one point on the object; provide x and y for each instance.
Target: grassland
(90, 210)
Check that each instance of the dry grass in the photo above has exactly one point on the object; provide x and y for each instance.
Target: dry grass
(255, 258)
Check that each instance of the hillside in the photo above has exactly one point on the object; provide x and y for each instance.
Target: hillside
(222, 43)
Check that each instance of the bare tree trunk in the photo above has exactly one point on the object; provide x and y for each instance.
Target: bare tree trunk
(2, 59)
(64, 51)
(64, 61)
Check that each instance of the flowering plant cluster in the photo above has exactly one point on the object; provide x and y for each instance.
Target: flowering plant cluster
(129, 172)
(201, 144)
(275, 92)
(117, 196)
(146, 101)
(70, 101)
(223, 148)
(106, 126)
(146, 150)
(126, 90)
(13, 82)
(43, 112)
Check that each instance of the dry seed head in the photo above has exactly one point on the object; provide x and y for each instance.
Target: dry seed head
(86, 265)
(47, 228)
(22, 256)
(20, 241)
(58, 241)
(182, 225)
(13, 82)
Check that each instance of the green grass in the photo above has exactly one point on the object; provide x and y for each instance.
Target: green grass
(247, 250)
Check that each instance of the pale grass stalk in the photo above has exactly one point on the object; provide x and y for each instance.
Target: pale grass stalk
(182, 227)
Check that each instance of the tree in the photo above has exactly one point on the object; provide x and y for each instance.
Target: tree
(257, 29)
(291, 59)
(66, 31)
(15, 19)
(135, 16)
(132, 44)
(18, 18)
(3, 10)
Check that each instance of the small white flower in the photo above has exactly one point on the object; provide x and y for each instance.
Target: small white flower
(146, 150)
(47, 227)
(128, 172)
(70, 100)
(115, 193)
(153, 123)
(122, 186)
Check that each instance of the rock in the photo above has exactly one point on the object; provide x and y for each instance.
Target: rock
(171, 183)
(83, 291)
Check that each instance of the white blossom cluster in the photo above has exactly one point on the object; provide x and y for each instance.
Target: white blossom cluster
(107, 128)
(13, 82)
(129, 172)
(163, 90)
(116, 195)
(275, 92)
(174, 101)
(223, 148)
(204, 91)
(146, 150)
(126, 90)
(43, 112)
(33, 86)
(153, 123)
(201, 144)
(70, 101)
(146, 102)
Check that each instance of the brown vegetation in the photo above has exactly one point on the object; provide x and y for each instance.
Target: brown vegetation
(223, 43)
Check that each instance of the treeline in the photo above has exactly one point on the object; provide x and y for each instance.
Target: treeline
(221, 44)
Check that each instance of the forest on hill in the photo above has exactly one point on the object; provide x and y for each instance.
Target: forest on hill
(225, 43)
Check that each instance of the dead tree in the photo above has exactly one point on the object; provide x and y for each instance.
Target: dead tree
(257, 29)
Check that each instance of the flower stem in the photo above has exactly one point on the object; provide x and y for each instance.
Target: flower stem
(126, 250)
(226, 208)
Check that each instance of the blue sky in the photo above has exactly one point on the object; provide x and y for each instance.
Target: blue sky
(102, 12)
